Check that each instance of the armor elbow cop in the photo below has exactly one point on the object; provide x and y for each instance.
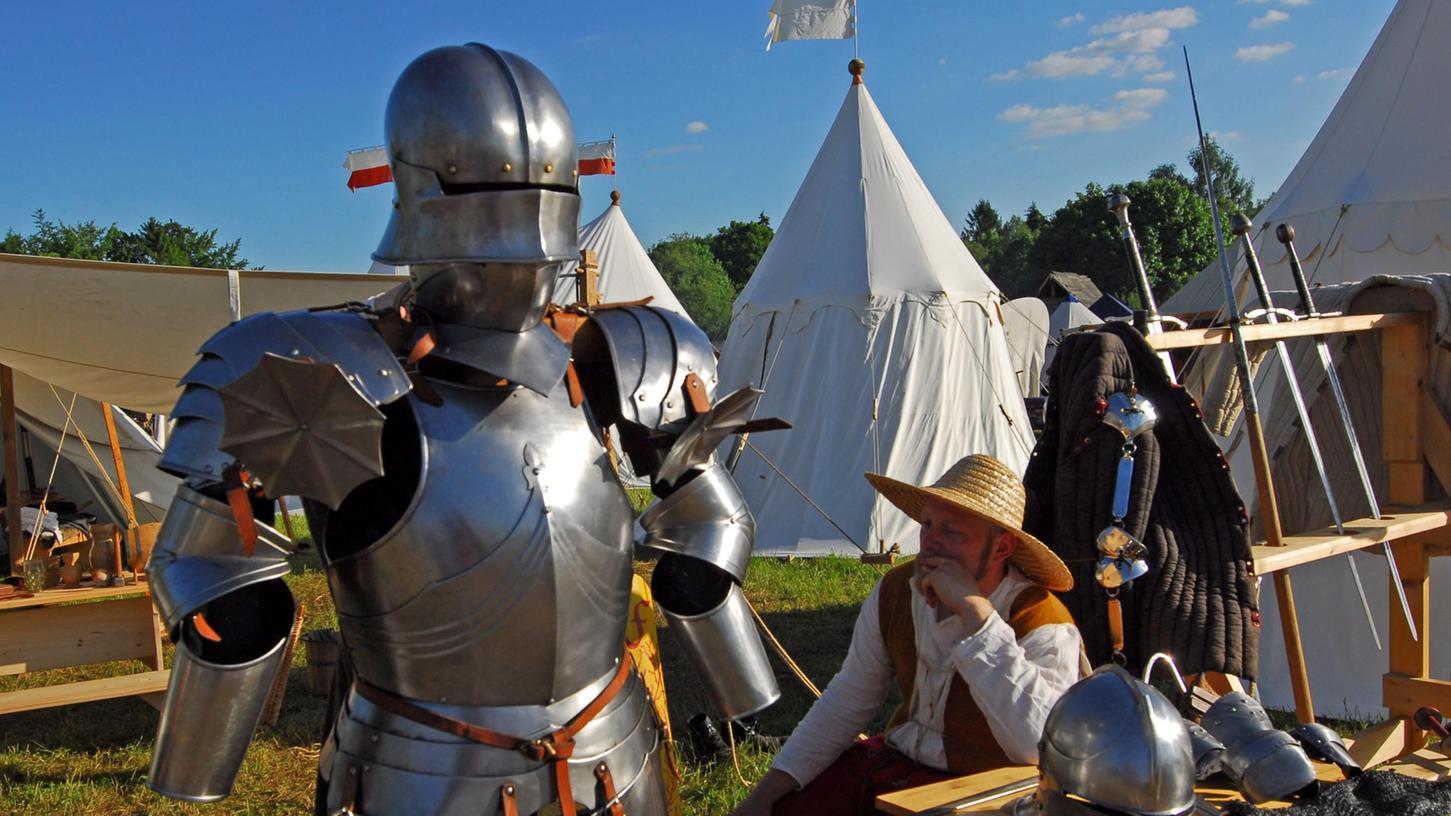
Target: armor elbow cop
(652, 374)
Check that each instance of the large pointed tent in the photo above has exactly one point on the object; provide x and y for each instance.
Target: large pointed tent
(1372, 193)
(871, 329)
(626, 272)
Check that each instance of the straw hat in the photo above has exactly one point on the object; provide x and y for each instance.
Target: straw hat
(988, 489)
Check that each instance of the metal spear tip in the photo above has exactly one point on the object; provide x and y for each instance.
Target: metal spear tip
(1285, 233)
(1118, 204)
(1240, 224)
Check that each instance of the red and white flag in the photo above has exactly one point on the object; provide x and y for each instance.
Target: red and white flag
(597, 158)
(368, 166)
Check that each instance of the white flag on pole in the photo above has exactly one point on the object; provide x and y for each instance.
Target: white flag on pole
(811, 20)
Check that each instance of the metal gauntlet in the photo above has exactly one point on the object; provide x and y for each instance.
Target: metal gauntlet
(1262, 762)
(230, 616)
(706, 532)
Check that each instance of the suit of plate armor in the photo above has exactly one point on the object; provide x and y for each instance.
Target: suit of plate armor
(448, 445)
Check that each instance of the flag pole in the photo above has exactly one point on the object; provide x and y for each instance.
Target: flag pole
(856, 50)
(614, 153)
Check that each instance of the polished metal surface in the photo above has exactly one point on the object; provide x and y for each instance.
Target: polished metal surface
(1208, 752)
(483, 156)
(1262, 762)
(348, 339)
(411, 768)
(1118, 744)
(535, 359)
(1130, 414)
(1118, 204)
(504, 297)
(192, 450)
(706, 519)
(207, 721)
(726, 652)
(507, 580)
(698, 443)
(198, 556)
(1123, 483)
(1322, 742)
(652, 352)
(302, 429)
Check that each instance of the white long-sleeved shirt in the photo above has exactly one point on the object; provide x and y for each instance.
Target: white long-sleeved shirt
(1014, 682)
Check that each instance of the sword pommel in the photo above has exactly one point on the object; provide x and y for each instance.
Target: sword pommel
(1240, 224)
(1118, 204)
(1285, 233)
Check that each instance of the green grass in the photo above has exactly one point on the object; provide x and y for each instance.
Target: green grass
(92, 758)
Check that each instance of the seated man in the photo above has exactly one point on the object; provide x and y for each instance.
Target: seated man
(977, 645)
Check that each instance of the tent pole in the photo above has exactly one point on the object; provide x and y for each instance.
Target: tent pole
(12, 471)
(125, 487)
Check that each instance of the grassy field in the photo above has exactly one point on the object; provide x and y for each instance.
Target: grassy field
(92, 758)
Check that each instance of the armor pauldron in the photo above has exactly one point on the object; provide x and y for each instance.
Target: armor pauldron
(1262, 762)
(646, 354)
(216, 704)
(706, 519)
(198, 556)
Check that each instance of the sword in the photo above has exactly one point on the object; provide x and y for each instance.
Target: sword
(1241, 225)
(1119, 204)
(1286, 234)
(1001, 791)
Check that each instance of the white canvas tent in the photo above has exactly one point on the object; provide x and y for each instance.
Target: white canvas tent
(1370, 196)
(876, 334)
(1025, 322)
(1372, 193)
(626, 272)
(1070, 314)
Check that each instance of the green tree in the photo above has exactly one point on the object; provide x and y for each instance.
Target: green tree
(1236, 194)
(983, 223)
(739, 247)
(153, 242)
(698, 279)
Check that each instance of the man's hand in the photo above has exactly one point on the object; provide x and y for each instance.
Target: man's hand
(774, 785)
(951, 590)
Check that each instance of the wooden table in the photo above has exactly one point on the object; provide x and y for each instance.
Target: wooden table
(934, 799)
(51, 630)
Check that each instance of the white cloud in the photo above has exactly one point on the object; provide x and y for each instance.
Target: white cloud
(1061, 64)
(1145, 63)
(1269, 18)
(1226, 135)
(1070, 21)
(1335, 73)
(942, 60)
(697, 127)
(1277, 2)
(670, 150)
(1159, 76)
(1129, 108)
(1136, 41)
(1182, 17)
(1299, 79)
(1263, 53)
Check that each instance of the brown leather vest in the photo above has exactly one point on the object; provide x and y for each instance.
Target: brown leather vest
(968, 739)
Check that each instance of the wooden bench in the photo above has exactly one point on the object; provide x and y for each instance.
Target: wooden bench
(62, 628)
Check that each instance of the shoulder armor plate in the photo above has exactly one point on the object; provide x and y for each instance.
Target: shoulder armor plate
(345, 338)
(649, 352)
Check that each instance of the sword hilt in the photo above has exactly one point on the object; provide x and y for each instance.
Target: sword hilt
(1286, 235)
(1240, 225)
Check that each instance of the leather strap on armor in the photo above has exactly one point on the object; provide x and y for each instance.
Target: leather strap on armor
(612, 797)
(509, 795)
(556, 746)
(234, 481)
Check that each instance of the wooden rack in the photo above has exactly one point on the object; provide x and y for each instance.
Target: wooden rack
(1416, 443)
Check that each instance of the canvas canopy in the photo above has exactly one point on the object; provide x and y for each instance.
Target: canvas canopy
(626, 272)
(125, 333)
(875, 333)
(1372, 193)
(1025, 322)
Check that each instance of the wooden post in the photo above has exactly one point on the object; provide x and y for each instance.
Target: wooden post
(12, 471)
(286, 518)
(587, 286)
(124, 487)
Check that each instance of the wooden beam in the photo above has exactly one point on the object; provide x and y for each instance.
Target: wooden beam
(85, 691)
(1359, 534)
(54, 637)
(1221, 335)
(1403, 371)
(1379, 743)
(1436, 438)
(125, 487)
(1410, 656)
(15, 535)
(1406, 694)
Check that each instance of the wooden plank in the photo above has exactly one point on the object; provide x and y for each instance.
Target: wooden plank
(1403, 371)
(927, 797)
(1407, 655)
(85, 691)
(1436, 439)
(1359, 534)
(60, 636)
(1222, 335)
(84, 592)
(14, 535)
(1379, 743)
(1406, 694)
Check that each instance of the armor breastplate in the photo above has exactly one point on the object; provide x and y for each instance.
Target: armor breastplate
(507, 580)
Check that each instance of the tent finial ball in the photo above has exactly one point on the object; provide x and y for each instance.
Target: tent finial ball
(615, 197)
(855, 67)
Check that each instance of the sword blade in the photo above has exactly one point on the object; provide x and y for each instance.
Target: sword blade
(1343, 406)
(1311, 441)
(1400, 590)
(1364, 602)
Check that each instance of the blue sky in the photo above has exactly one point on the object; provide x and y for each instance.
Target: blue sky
(240, 120)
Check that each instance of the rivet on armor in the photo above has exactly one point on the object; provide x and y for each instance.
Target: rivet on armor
(640, 397)
(443, 699)
(669, 403)
(601, 768)
(372, 737)
(453, 168)
(509, 789)
(549, 167)
(382, 372)
(507, 168)
(296, 352)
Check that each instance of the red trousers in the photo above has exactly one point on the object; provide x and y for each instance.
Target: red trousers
(850, 785)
